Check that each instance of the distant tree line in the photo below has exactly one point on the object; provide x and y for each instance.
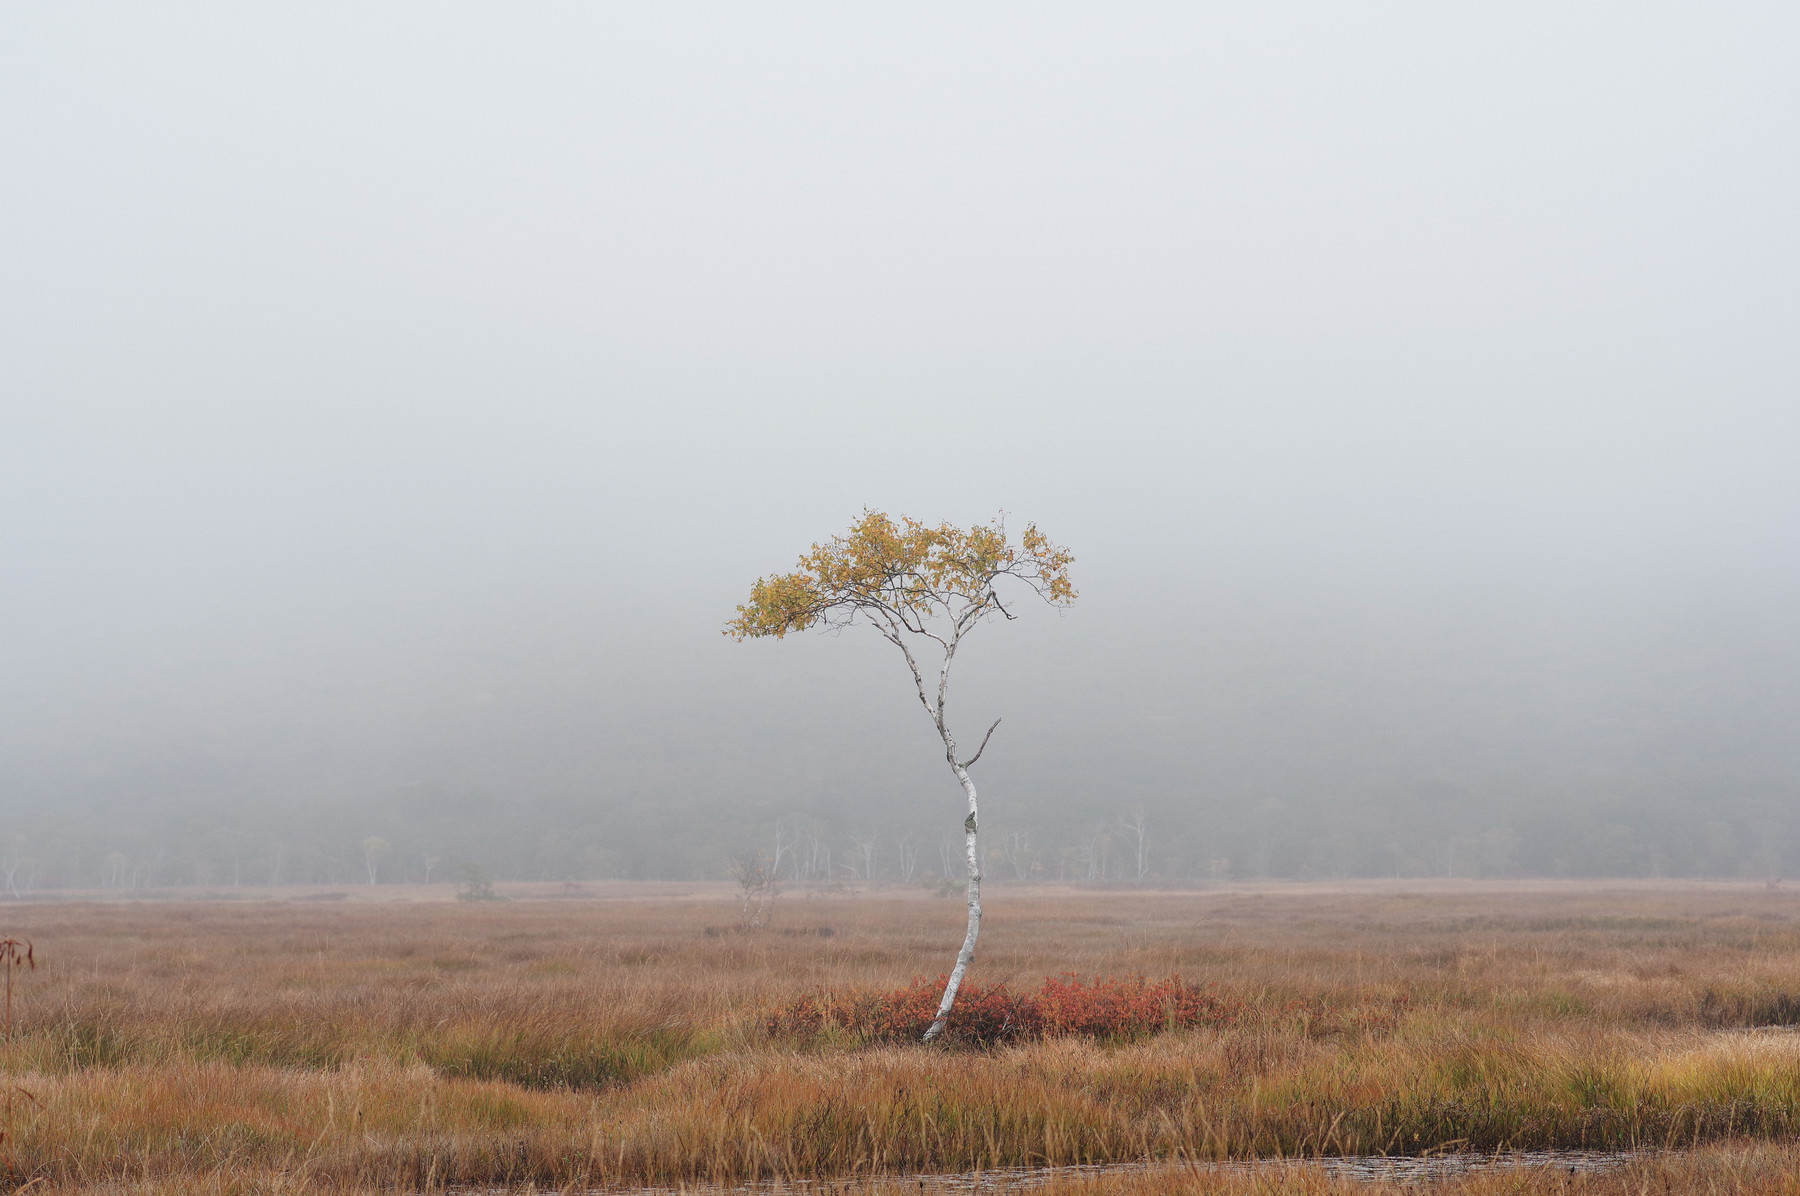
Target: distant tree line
(1427, 830)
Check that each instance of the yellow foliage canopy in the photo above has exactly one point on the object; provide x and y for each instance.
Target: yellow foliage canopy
(904, 574)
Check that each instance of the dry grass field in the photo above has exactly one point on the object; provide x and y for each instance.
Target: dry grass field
(623, 1040)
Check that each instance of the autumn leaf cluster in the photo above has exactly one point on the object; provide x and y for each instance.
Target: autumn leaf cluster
(904, 573)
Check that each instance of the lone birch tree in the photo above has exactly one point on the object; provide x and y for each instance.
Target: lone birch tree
(922, 589)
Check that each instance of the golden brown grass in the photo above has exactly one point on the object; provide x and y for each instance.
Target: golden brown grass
(306, 1047)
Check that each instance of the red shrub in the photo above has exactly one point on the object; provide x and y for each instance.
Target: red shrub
(1109, 1008)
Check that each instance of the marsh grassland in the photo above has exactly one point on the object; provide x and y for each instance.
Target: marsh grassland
(625, 1039)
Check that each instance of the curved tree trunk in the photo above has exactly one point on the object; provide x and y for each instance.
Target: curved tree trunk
(967, 954)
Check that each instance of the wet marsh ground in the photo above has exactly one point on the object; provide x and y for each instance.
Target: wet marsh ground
(619, 1037)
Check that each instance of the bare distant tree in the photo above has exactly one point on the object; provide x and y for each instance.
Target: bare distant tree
(1139, 827)
(757, 886)
(1090, 857)
(909, 858)
(865, 851)
(1020, 855)
(375, 850)
(818, 860)
(922, 588)
(782, 846)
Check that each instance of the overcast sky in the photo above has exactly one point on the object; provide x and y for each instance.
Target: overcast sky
(437, 376)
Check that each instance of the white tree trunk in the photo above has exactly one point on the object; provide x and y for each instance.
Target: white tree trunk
(963, 958)
(1140, 827)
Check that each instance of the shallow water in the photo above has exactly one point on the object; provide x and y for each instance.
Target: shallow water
(1401, 1168)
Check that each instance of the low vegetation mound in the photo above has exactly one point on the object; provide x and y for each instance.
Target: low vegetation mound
(1109, 1008)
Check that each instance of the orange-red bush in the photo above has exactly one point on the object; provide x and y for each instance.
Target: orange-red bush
(1066, 1004)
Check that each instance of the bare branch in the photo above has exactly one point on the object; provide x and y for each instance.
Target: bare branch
(970, 762)
(916, 625)
(892, 635)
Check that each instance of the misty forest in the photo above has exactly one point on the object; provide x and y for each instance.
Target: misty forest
(1199, 741)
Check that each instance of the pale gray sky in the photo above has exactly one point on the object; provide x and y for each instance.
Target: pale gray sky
(362, 362)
